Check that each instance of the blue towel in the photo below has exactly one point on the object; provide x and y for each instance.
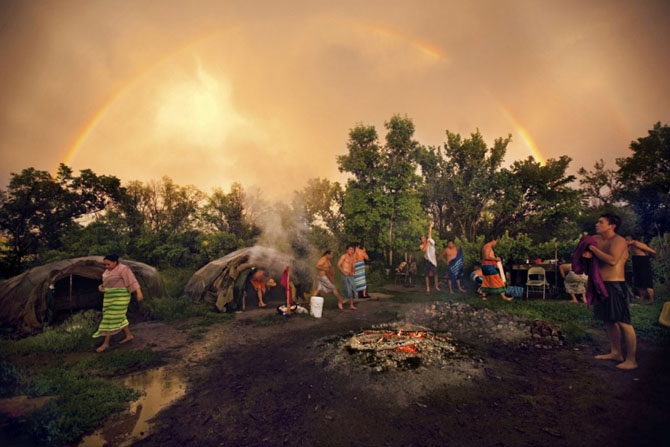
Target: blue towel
(456, 266)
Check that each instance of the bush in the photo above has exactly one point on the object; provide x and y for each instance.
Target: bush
(175, 279)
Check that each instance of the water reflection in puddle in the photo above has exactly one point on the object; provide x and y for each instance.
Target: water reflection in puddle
(161, 388)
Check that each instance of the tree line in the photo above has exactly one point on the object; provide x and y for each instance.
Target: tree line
(395, 187)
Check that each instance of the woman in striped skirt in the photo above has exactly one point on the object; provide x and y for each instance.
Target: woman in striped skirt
(118, 282)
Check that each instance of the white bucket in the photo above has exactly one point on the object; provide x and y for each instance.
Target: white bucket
(316, 306)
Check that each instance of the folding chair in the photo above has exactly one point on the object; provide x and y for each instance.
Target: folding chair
(537, 281)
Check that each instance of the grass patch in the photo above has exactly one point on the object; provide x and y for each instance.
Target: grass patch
(83, 405)
(85, 394)
(74, 335)
(175, 279)
(117, 362)
(271, 320)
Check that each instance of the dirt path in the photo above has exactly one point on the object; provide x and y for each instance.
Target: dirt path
(268, 385)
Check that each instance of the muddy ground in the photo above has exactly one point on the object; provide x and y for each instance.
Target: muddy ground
(251, 384)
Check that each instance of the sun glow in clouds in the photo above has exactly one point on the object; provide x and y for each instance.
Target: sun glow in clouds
(198, 111)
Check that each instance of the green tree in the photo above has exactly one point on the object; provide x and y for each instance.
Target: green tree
(645, 180)
(536, 199)
(381, 204)
(598, 187)
(461, 182)
(37, 210)
(320, 204)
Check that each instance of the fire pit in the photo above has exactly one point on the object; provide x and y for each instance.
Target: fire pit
(392, 348)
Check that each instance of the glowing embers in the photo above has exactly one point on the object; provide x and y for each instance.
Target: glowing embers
(405, 349)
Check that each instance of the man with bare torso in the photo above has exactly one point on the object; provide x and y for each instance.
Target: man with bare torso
(454, 266)
(346, 266)
(612, 252)
(642, 273)
(493, 282)
(325, 281)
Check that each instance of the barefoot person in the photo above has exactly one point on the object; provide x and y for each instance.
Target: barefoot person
(118, 282)
(259, 280)
(360, 256)
(429, 258)
(574, 284)
(346, 266)
(325, 280)
(453, 257)
(492, 283)
(642, 275)
(611, 251)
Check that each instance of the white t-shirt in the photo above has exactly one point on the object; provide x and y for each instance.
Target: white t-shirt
(429, 254)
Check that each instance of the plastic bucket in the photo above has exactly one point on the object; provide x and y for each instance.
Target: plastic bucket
(316, 306)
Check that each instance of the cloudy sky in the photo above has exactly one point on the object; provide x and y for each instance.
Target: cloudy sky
(265, 92)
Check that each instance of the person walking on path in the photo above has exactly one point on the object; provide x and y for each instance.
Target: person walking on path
(430, 260)
(118, 282)
(453, 257)
(346, 266)
(325, 280)
(611, 252)
(360, 256)
(642, 273)
(493, 282)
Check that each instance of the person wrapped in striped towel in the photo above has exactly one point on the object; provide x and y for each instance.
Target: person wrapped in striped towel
(118, 282)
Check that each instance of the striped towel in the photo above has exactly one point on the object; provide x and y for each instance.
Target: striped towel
(114, 307)
(359, 276)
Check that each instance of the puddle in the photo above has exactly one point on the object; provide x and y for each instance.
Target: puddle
(161, 388)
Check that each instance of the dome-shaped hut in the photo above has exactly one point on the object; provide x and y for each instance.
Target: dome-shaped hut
(63, 286)
(223, 282)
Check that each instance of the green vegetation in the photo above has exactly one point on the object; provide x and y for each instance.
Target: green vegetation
(72, 336)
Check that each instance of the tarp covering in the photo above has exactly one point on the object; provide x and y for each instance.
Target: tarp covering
(23, 298)
(214, 283)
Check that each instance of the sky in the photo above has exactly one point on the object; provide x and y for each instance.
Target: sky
(264, 93)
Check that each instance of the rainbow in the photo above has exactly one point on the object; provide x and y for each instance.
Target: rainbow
(87, 127)
(524, 134)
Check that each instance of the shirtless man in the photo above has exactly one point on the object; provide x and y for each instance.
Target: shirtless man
(360, 256)
(612, 253)
(642, 275)
(447, 255)
(429, 258)
(325, 281)
(346, 266)
(493, 282)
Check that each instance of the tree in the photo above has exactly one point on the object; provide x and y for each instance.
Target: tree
(37, 210)
(382, 193)
(227, 213)
(536, 199)
(461, 181)
(599, 186)
(645, 180)
(320, 204)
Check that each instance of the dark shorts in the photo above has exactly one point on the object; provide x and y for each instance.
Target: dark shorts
(428, 268)
(616, 307)
(642, 278)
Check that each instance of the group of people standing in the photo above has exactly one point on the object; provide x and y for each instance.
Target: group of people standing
(451, 255)
(352, 268)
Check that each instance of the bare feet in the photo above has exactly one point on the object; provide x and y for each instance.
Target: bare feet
(438, 289)
(427, 290)
(507, 298)
(262, 305)
(573, 301)
(610, 356)
(127, 339)
(627, 365)
(339, 306)
(102, 347)
(462, 290)
(352, 307)
(483, 298)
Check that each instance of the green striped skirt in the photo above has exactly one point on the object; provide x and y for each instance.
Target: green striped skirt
(114, 307)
